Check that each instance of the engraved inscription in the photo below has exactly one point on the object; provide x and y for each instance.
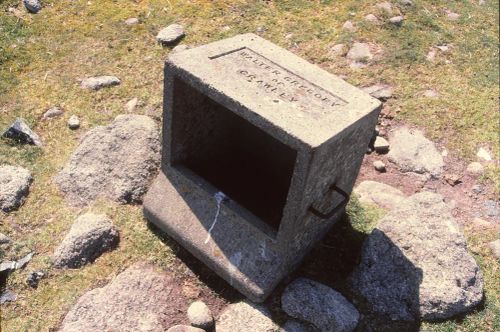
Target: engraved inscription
(279, 83)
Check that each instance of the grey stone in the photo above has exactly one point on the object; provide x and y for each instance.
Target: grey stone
(338, 49)
(171, 34)
(379, 91)
(184, 328)
(431, 55)
(199, 315)
(222, 115)
(397, 20)
(379, 166)
(246, 317)
(415, 264)
(99, 82)
(475, 168)
(90, 236)
(320, 305)
(412, 152)
(34, 278)
(477, 189)
(380, 194)
(139, 299)
(114, 161)
(4, 239)
(381, 145)
(385, 7)
(443, 48)
(495, 248)
(483, 154)
(348, 26)
(372, 19)
(14, 186)
(132, 21)
(406, 2)
(33, 6)
(21, 263)
(492, 208)
(52, 112)
(180, 48)
(131, 105)
(22, 133)
(74, 122)
(260, 30)
(360, 52)
(293, 325)
(7, 296)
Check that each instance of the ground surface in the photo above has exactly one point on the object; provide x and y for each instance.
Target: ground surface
(43, 56)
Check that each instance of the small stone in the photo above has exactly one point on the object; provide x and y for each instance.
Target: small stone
(495, 248)
(406, 2)
(170, 34)
(380, 194)
(431, 55)
(319, 305)
(33, 6)
(34, 278)
(180, 48)
(89, 237)
(293, 325)
(245, 317)
(4, 239)
(483, 154)
(452, 16)
(131, 105)
(14, 186)
(397, 20)
(385, 7)
(74, 122)
(379, 166)
(338, 49)
(132, 21)
(7, 296)
(199, 315)
(52, 112)
(99, 82)
(348, 26)
(261, 30)
(184, 328)
(430, 93)
(381, 145)
(477, 189)
(360, 52)
(444, 153)
(379, 91)
(452, 179)
(21, 263)
(372, 19)
(492, 208)
(443, 48)
(475, 168)
(22, 133)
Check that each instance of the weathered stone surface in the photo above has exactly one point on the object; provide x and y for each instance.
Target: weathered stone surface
(412, 152)
(483, 154)
(379, 91)
(246, 317)
(293, 325)
(184, 328)
(397, 20)
(132, 21)
(99, 82)
(180, 48)
(380, 194)
(495, 248)
(14, 186)
(114, 161)
(475, 168)
(360, 52)
(338, 49)
(170, 34)
(74, 122)
(22, 133)
(137, 300)
(379, 166)
(381, 145)
(52, 112)
(33, 6)
(89, 237)
(199, 315)
(320, 305)
(348, 26)
(415, 264)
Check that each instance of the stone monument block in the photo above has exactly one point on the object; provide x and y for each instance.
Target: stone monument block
(260, 153)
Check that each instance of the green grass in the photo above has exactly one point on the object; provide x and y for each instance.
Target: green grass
(42, 57)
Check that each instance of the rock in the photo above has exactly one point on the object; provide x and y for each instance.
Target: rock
(443, 48)
(338, 49)
(348, 26)
(380, 194)
(52, 112)
(21, 263)
(74, 122)
(180, 48)
(34, 278)
(131, 105)
(452, 16)
(381, 145)
(406, 2)
(245, 317)
(384, 7)
(379, 166)
(452, 179)
(371, 18)
(397, 20)
(481, 223)
(99, 82)
(139, 299)
(415, 264)
(132, 21)
(90, 236)
(492, 209)
(4, 239)
(430, 93)
(320, 305)
(431, 55)
(293, 325)
(477, 189)
(170, 34)
(7, 296)
(475, 168)
(184, 328)
(360, 52)
(115, 161)
(14, 186)
(33, 6)
(199, 315)
(379, 91)
(412, 152)
(22, 133)
(260, 30)
(483, 154)
(495, 248)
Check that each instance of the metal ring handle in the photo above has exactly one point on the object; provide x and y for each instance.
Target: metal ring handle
(335, 209)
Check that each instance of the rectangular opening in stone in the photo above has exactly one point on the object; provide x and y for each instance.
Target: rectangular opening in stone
(248, 165)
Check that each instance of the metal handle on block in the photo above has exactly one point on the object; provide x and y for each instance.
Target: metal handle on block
(335, 209)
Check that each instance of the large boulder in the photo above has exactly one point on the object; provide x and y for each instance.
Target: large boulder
(380, 194)
(319, 305)
(139, 299)
(90, 236)
(415, 264)
(14, 186)
(412, 152)
(246, 317)
(115, 161)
